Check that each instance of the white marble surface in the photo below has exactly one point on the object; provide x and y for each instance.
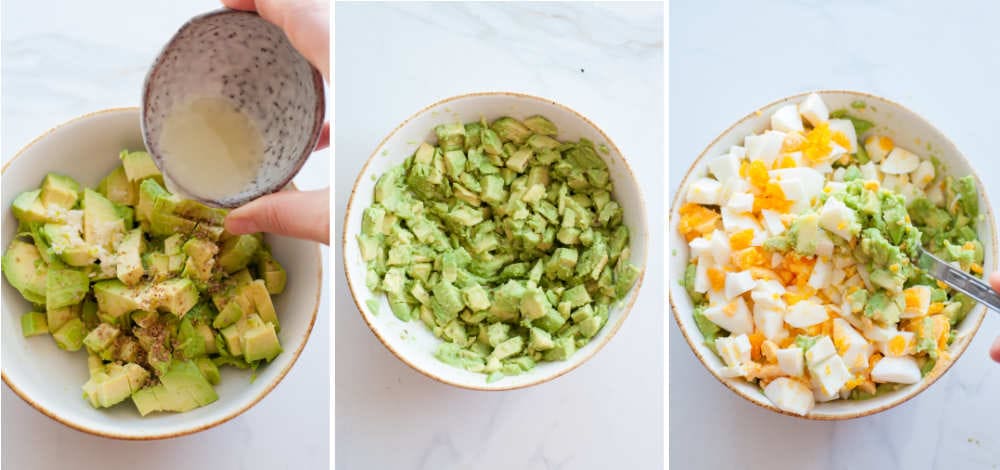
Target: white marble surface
(606, 62)
(63, 58)
(937, 58)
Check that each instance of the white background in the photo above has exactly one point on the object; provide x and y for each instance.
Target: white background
(941, 60)
(64, 58)
(605, 61)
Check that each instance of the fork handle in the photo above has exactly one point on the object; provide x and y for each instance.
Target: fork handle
(971, 286)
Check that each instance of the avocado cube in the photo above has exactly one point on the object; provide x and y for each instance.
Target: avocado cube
(540, 125)
(260, 342)
(237, 252)
(272, 272)
(450, 136)
(476, 297)
(208, 369)
(117, 188)
(508, 348)
(129, 268)
(176, 296)
(25, 270)
(115, 299)
(138, 166)
(228, 315)
(519, 160)
(59, 191)
(101, 337)
(69, 337)
(540, 340)
(511, 130)
(64, 287)
(200, 259)
(34, 324)
(262, 302)
(563, 348)
(534, 304)
(28, 207)
(577, 296)
(113, 385)
(101, 222)
(454, 163)
(57, 317)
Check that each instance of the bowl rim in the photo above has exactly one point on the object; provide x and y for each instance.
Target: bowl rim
(122, 436)
(319, 114)
(627, 308)
(925, 381)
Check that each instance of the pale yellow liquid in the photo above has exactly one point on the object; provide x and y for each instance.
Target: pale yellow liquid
(210, 149)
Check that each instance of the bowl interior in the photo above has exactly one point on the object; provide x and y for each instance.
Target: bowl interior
(909, 131)
(87, 149)
(248, 61)
(412, 342)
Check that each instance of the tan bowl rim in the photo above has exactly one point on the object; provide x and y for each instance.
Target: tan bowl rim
(926, 381)
(614, 329)
(51, 414)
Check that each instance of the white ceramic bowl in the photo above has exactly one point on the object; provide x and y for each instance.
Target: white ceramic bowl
(907, 129)
(49, 379)
(412, 342)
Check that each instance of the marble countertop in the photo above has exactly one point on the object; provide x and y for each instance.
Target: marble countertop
(937, 58)
(606, 62)
(65, 58)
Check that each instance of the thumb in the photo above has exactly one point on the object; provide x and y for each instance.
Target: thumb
(298, 214)
(995, 349)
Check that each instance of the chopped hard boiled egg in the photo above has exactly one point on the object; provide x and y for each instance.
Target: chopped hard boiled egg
(900, 370)
(790, 395)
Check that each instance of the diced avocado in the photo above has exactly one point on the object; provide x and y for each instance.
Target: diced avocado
(260, 342)
(176, 296)
(115, 299)
(200, 259)
(34, 324)
(101, 223)
(59, 191)
(101, 337)
(70, 336)
(113, 383)
(190, 343)
(25, 270)
(510, 129)
(540, 125)
(28, 208)
(534, 304)
(262, 302)
(129, 267)
(230, 314)
(237, 252)
(577, 296)
(58, 317)
(182, 388)
(208, 369)
(64, 287)
(138, 166)
(541, 340)
(67, 242)
(562, 348)
(271, 271)
(117, 188)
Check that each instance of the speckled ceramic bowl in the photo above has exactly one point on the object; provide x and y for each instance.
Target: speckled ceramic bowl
(412, 342)
(241, 57)
(49, 379)
(909, 130)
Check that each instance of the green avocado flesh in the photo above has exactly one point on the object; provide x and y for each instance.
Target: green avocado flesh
(505, 242)
(150, 285)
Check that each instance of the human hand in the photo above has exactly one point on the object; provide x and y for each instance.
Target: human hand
(299, 214)
(995, 349)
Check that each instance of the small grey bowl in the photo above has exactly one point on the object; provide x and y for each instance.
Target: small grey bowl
(241, 57)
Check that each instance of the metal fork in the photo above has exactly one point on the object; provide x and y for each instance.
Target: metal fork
(959, 280)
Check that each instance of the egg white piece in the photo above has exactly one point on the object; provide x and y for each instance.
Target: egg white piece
(701, 281)
(733, 317)
(740, 203)
(772, 222)
(820, 351)
(769, 293)
(725, 167)
(734, 221)
(791, 360)
(820, 393)
(731, 372)
(719, 247)
(738, 283)
(846, 127)
(901, 370)
(787, 119)
(837, 218)
(735, 349)
(855, 348)
(831, 374)
(876, 333)
(790, 395)
(924, 174)
(806, 313)
(814, 110)
(935, 195)
(824, 245)
(764, 147)
(878, 147)
(820, 276)
(698, 247)
(900, 162)
(838, 176)
(738, 151)
(769, 321)
(705, 191)
(906, 338)
(870, 172)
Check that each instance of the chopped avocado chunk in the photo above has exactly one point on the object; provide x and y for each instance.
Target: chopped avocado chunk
(34, 324)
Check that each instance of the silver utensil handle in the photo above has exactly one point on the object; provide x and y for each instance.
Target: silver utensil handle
(964, 283)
